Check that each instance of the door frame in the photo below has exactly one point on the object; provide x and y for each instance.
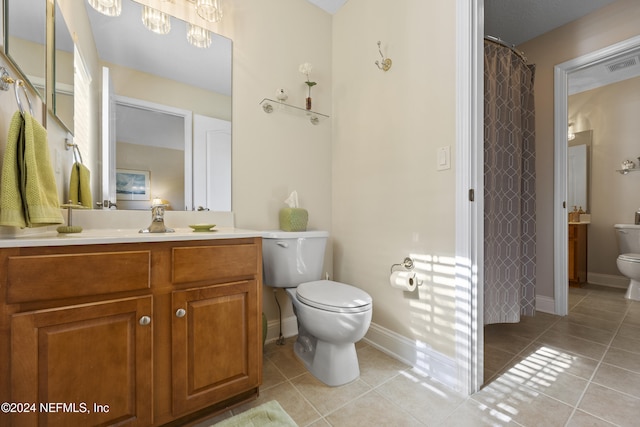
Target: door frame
(469, 223)
(562, 74)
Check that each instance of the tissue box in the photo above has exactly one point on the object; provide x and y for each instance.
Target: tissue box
(293, 219)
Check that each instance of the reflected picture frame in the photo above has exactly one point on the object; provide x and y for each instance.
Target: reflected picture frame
(133, 184)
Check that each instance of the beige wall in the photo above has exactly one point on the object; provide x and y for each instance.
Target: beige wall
(612, 112)
(609, 25)
(389, 201)
(147, 87)
(274, 154)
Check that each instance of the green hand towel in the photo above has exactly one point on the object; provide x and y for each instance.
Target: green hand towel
(12, 212)
(29, 196)
(80, 186)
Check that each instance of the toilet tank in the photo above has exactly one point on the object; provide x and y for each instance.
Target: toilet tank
(628, 236)
(291, 258)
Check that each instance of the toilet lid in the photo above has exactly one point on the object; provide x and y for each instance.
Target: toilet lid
(630, 257)
(333, 296)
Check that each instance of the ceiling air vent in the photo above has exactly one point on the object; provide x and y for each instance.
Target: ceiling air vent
(628, 62)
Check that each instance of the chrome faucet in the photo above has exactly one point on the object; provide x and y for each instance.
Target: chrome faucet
(157, 222)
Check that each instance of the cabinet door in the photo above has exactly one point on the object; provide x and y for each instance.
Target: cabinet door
(88, 364)
(217, 349)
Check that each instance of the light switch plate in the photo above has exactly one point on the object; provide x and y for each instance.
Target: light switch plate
(443, 158)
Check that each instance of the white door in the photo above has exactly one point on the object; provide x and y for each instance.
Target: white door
(211, 163)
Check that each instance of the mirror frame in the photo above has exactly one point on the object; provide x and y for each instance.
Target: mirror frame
(42, 94)
(58, 19)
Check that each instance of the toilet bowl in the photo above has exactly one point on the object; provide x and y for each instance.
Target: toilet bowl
(628, 261)
(331, 316)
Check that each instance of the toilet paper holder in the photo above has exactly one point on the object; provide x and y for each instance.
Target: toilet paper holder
(408, 264)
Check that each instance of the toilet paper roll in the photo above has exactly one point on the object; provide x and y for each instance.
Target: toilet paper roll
(405, 280)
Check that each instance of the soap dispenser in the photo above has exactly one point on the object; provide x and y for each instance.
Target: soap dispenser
(575, 215)
(638, 217)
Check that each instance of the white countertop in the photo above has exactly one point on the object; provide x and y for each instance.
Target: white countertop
(108, 236)
(105, 227)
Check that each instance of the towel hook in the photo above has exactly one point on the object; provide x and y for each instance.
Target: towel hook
(385, 65)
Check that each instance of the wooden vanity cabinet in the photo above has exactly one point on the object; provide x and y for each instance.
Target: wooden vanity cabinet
(95, 359)
(95, 333)
(577, 255)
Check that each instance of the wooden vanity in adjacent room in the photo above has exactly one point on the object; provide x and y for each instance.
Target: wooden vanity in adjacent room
(137, 333)
(578, 237)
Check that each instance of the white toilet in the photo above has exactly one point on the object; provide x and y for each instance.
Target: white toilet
(332, 316)
(628, 261)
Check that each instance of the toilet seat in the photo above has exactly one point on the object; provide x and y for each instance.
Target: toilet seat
(630, 257)
(333, 296)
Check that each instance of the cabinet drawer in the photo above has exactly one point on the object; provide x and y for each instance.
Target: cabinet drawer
(44, 277)
(198, 263)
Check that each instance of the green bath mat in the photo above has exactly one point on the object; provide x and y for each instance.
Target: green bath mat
(268, 414)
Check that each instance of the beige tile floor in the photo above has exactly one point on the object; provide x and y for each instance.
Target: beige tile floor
(580, 370)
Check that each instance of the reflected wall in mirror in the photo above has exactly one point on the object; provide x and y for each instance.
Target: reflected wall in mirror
(63, 71)
(166, 70)
(579, 171)
(25, 40)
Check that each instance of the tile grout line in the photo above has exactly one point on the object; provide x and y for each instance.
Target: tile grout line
(595, 371)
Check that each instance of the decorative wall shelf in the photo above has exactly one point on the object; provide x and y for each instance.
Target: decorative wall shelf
(269, 106)
(626, 171)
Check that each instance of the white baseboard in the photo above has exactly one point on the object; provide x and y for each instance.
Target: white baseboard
(608, 280)
(545, 304)
(417, 354)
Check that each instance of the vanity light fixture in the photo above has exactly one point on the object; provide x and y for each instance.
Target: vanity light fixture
(107, 7)
(198, 36)
(209, 10)
(156, 21)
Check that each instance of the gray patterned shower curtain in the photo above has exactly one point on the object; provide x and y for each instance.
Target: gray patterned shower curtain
(509, 186)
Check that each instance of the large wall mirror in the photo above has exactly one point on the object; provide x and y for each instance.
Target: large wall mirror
(579, 170)
(25, 40)
(167, 105)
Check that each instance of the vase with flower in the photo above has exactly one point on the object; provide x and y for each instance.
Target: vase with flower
(306, 70)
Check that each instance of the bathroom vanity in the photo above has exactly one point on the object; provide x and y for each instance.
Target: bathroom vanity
(134, 330)
(577, 254)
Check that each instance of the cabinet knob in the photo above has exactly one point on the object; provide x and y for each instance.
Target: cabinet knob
(181, 312)
(145, 320)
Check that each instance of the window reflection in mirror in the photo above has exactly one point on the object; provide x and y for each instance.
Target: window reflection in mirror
(63, 65)
(166, 70)
(25, 40)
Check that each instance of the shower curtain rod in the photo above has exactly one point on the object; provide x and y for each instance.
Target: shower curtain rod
(505, 44)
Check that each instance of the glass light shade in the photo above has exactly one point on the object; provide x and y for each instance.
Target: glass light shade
(209, 10)
(156, 21)
(107, 7)
(198, 36)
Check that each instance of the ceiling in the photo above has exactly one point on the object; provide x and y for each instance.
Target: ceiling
(517, 21)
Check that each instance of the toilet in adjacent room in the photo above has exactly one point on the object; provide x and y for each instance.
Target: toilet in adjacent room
(332, 316)
(628, 261)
